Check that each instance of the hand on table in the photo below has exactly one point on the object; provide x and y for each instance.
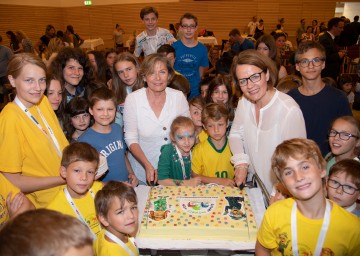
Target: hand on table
(151, 175)
(196, 181)
(225, 182)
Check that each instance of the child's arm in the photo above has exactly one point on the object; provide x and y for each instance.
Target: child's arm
(219, 181)
(18, 204)
(261, 250)
(29, 184)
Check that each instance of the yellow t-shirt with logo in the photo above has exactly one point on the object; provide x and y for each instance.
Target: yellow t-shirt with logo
(342, 237)
(103, 247)
(5, 188)
(28, 150)
(211, 162)
(85, 205)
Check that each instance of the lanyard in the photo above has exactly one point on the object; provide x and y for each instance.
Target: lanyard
(76, 210)
(121, 243)
(322, 235)
(182, 161)
(32, 118)
(351, 208)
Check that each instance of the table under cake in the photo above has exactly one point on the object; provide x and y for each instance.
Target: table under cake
(173, 242)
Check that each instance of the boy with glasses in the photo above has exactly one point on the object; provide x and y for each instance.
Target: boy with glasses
(152, 37)
(343, 185)
(320, 103)
(191, 55)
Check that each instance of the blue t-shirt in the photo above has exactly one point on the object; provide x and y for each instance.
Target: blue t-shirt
(247, 44)
(188, 61)
(112, 147)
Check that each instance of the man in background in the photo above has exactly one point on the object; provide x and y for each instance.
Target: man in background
(240, 43)
(333, 56)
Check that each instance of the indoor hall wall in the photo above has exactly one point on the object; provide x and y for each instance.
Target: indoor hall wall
(218, 16)
(31, 19)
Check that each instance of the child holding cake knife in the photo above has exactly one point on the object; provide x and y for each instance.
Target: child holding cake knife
(174, 168)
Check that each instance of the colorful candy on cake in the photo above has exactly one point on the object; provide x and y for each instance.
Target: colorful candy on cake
(198, 213)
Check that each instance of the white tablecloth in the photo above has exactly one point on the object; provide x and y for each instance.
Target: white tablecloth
(207, 40)
(256, 201)
(92, 43)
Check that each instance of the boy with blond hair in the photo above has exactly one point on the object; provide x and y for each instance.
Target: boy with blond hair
(307, 223)
(79, 164)
(211, 158)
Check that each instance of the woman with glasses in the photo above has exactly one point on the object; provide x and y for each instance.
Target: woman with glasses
(264, 117)
(344, 140)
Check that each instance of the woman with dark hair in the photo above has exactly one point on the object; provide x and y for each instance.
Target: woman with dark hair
(14, 42)
(280, 39)
(259, 30)
(266, 45)
(172, 30)
(110, 55)
(74, 39)
(41, 45)
(98, 62)
(264, 118)
(220, 91)
(74, 71)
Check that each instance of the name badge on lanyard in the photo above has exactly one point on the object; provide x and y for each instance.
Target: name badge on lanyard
(49, 131)
(322, 235)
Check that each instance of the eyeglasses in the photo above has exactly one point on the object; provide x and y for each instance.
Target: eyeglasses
(253, 78)
(306, 62)
(346, 188)
(342, 135)
(188, 26)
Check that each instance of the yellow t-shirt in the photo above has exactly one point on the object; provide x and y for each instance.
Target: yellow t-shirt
(210, 162)
(203, 135)
(25, 149)
(103, 247)
(85, 205)
(342, 237)
(5, 188)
